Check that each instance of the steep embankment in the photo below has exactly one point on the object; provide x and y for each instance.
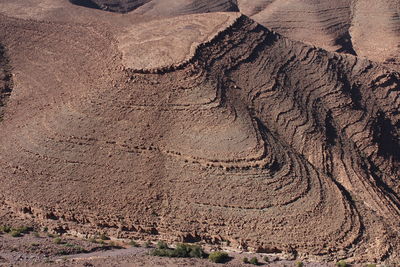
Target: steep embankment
(259, 140)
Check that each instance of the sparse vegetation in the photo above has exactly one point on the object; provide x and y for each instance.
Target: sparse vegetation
(5, 229)
(133, 243)
(15, 233)
(299, 264)
(266, 259)
(246, 260)
(24, 229)
(57, 241)
(147, 244)
(62, 252)
(162, 245)
(254, 261)
(218, 257)
(181, 251)
(370, 265)
(93, 240)
(341, 263)
(104, 237)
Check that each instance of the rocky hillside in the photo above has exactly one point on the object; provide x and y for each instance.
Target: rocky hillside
(198, 127)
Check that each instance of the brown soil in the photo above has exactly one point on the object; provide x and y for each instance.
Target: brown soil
(206, 127)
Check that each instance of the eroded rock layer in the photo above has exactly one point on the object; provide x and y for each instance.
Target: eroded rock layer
(248, 137)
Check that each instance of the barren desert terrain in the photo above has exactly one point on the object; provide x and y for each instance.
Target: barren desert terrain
(255, 126)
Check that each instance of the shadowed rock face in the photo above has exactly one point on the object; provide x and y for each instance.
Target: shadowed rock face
(235, 133)
(164, 7)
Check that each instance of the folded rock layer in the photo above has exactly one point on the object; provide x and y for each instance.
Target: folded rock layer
(246, 136)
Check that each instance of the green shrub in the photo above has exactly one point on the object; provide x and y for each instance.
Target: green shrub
(24, 229)
(15, 233)
(266, 259)
(196, 252)
(245, 260)
(341, 263)
(181, 251)
(62, 252)
(147, 244)
(57, 240)
(371, 265)
(254, 261)
(133, 243)
(162, 245)
(80, 249)
(299, 264)
(93, 240)
(162, 252)
(104, 237)
(218, 257)
(5, 229)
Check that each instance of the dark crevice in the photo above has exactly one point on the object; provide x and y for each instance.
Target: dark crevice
(346, 45)
(356, 96)
(352, 90)
(330, 130)
(386, 137)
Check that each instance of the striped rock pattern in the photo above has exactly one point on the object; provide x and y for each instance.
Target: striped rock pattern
(249, 137)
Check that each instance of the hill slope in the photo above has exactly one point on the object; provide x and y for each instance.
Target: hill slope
(244, 136)
(365, 28)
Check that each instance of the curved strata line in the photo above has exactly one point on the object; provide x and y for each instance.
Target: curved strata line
(312, 112)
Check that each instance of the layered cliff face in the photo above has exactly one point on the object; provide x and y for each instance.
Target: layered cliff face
(200, 127)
